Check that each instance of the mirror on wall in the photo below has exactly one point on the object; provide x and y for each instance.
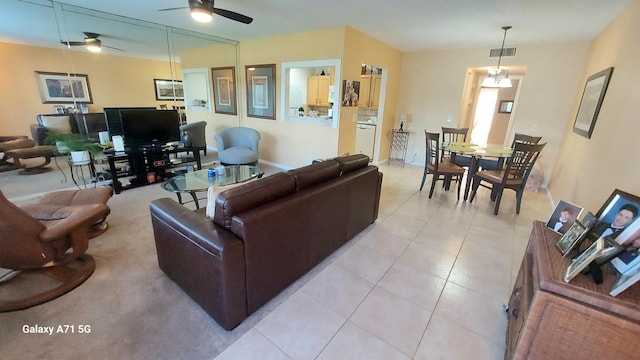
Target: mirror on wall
(311, 92)
(126, 46)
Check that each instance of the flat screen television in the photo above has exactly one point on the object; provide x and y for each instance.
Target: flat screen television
(143, 128)
(114, 122)
(94, 123)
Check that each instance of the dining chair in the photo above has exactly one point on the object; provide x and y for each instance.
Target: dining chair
(454, 135)
(487, 164)
(514, 176)
(440, 169)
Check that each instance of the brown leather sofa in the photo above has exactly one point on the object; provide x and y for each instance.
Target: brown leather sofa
(265, 234)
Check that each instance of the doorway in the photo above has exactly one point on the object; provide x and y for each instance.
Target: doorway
(488, 123)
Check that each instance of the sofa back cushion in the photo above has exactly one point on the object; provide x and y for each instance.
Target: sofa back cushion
(316, 173)
(251, 195)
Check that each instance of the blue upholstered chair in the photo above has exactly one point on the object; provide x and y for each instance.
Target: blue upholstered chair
(197, 132)
(238, 145)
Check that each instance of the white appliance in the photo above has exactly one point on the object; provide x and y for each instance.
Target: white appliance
(365, 139)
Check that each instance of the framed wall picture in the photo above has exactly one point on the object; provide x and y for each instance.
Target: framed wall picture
(261, 91)
(171, 90)
(350, 92)
(63, 87)
(224, 90)
(591, 102)
(506, 106)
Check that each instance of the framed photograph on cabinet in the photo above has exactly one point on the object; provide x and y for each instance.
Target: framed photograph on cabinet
(63, 88)
(261, 91)
(572, 237)
(584, 259)
(591, 102)
(168, 89)
(616, 217)
(563, 216)
(224, 90)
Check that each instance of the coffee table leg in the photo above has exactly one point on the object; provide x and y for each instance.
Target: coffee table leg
(195, 199)
(179, 198)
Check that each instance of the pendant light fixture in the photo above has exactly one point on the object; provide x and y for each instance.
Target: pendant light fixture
(495, 78)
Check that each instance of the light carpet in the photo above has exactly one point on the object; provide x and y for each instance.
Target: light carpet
(133, 310)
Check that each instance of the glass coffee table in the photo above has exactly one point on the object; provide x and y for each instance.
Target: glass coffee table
(199, 180)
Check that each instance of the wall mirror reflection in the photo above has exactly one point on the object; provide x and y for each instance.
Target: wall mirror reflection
(132, 53)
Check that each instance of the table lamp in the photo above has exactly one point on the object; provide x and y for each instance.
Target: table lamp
(403, 118)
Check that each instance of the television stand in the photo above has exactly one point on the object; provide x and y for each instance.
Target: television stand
(148, 165)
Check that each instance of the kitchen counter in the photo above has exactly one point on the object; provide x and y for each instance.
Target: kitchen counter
(318, 121)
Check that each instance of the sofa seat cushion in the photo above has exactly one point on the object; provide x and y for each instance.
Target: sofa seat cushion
(251, 195)
(237, 155)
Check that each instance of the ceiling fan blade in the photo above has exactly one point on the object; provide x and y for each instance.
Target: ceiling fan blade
(233, 15)
(91, 35)
(72, 43)
(175, 8)
(111, 47)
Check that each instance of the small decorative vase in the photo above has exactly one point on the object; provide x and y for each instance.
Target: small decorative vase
(187, 141)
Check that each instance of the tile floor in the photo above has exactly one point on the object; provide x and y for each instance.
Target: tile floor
(428, 280)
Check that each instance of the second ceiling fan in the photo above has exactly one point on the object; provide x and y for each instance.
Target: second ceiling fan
(203, 10)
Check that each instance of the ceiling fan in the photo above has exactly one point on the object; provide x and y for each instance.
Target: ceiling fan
(91, 42)
(203, 10)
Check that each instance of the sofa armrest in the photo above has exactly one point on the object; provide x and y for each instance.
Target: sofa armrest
(204, 259)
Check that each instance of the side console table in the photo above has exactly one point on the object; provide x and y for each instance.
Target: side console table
(551, 319)
(398, 147)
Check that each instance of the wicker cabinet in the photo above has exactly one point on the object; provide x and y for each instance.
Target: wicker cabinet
(551, 319)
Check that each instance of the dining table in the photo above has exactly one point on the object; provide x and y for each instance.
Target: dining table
(477, 152)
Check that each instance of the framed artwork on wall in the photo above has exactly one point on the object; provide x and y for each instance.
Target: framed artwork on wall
(261, 91)
(168, 89)
(591, 102)
(506, 106)
(224, 90)
(63, 87)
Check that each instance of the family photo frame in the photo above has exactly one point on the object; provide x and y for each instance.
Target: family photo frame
(261, 91)
(563, 216)
(170, 90)
(224, 90)
(63, 87)
(591, 102)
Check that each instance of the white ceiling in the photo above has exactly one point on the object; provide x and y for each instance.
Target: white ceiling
(407, 25)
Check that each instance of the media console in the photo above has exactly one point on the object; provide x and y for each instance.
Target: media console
(146, 165)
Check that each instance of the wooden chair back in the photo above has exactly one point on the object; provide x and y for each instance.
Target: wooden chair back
(452, 135)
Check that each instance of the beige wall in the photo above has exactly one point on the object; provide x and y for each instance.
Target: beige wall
(432, 84)
(588, 170)
(291, 144)
(363, 49)
(114, 81)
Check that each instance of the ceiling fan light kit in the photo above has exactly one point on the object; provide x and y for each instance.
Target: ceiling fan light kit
(201, 11)
(494, 79)
(93, 44)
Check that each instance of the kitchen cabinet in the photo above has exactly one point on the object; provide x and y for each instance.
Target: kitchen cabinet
(551, 319)
(318, 90)
(370, 91)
